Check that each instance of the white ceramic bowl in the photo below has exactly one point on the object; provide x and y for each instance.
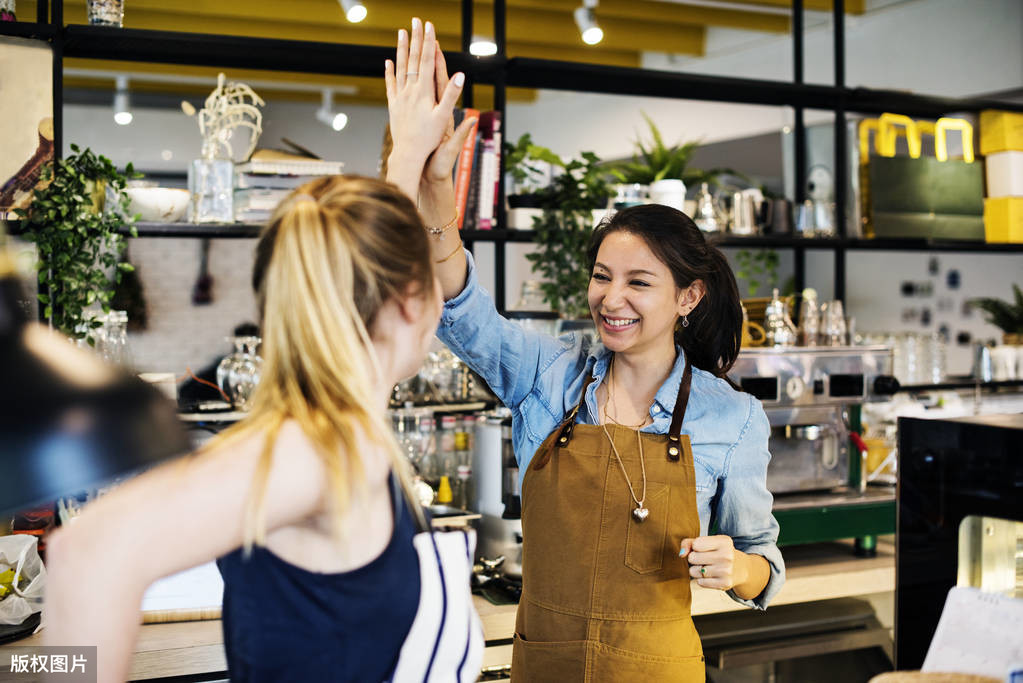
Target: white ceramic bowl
(157, 204)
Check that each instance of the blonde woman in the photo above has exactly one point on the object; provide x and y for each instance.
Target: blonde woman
(329, 572)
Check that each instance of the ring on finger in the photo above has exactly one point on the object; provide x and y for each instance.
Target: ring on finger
(412, 73)
(703, 570)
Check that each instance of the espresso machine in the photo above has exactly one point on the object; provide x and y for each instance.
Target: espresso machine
(497, 496)
(806, 393)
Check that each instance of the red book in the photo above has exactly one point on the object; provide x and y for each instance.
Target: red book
(463, 169)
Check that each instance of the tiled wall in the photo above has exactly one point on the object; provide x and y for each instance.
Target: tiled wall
(180, 334)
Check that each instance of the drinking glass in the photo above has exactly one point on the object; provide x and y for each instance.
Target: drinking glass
(833, 329)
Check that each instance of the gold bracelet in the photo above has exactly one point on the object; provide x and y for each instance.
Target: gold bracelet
(457, 249)
(439, 232)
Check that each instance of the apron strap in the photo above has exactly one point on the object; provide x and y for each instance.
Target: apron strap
(679, 414)
(564, 431)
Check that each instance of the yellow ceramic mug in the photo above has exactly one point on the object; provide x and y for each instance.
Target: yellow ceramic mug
(750, 329)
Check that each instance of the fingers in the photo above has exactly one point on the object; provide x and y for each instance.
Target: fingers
(451, 92)
(390, 84)
(463, 130)
(401, 59)
(415, 50)
(429, 54)
(687, 546)
(440, 72)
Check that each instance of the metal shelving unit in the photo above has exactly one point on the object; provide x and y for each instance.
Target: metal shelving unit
(500, 71)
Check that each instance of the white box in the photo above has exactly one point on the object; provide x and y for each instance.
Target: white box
(1004, 174)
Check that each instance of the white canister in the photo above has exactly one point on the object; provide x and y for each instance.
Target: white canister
(670, 192)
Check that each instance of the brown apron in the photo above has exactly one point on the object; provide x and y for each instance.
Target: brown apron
(607, 598)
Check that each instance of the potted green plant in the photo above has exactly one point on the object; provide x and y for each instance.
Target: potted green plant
(1005, 315)
(529, 168)
(78, 241)
(659, 167)
(563, 231)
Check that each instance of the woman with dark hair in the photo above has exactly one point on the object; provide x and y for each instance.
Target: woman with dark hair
(641, 466)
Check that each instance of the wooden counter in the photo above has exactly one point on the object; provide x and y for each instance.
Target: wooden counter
(814, 572)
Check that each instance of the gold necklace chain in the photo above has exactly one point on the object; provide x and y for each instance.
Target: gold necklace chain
(640, 512)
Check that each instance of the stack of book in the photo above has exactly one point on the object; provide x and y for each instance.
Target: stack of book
(477, 171)
(261, 184)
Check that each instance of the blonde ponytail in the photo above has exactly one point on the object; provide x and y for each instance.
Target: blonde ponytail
(331, 256)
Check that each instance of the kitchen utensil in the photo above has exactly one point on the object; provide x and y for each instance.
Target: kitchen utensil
(744, 213)
(776, 216)
(202, 292)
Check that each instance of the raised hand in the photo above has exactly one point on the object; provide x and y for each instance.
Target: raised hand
(440, 163)
(419, 114)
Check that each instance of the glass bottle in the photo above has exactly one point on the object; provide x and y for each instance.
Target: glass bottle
(778, 327)
(461, 486)
(245, 374)
(428, 463)
(809, 318)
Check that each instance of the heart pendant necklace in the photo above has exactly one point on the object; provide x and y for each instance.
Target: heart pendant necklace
(639, 513)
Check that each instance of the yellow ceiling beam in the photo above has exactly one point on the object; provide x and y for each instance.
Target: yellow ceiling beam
(665, 12)
(263, 18)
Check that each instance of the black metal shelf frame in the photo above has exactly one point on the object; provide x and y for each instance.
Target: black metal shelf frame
(501, 72)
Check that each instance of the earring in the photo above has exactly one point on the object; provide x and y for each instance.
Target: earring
(685, 321)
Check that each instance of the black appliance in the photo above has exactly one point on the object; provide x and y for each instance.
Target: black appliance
(948, 470)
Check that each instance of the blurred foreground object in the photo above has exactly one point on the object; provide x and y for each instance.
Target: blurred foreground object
(67, 420)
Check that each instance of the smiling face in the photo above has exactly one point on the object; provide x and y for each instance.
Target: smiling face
(633, 298)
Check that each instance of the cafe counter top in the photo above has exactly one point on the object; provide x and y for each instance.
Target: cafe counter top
(814, 572)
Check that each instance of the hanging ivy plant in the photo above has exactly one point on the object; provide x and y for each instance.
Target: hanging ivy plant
(78, 241)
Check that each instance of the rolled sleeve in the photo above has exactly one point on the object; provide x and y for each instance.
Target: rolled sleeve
(744, 506)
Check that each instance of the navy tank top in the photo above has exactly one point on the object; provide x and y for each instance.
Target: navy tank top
(284, 623)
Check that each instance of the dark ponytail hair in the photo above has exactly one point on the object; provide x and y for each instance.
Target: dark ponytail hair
(712, 338)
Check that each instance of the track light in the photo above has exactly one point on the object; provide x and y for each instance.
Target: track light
(482, 47)
(122, 103)
(587, 23)
(355, 11)
(327, 115)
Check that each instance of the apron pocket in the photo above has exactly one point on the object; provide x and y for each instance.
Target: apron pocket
(611, 665)
(557, 662)
(644, 543)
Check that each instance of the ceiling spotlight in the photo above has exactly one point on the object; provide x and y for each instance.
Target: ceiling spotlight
(587, 23)
(326, 114)
(482, 47)
(122, 104)
(355, 11)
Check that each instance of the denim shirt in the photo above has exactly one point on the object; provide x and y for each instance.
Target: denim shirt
(540, 378)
